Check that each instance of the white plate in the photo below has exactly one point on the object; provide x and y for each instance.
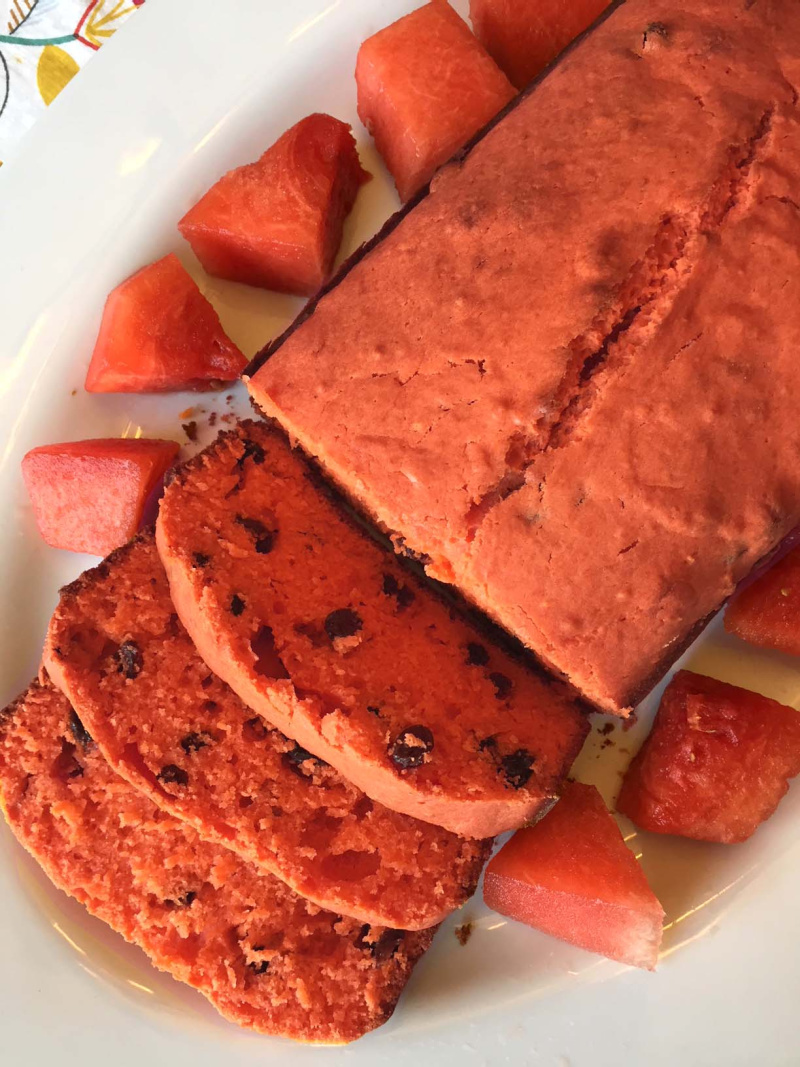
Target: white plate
(189, 89)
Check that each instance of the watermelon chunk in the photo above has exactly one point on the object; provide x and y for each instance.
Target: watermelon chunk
(767, 613)
(425, 86)
(89, 496)
(523, 36)
(572, 876)
(277, 223)
(715, 764)
(158, 334)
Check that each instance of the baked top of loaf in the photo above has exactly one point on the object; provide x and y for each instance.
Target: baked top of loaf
(266, 958)
(319, 629)
(467, 348)
(118, 651)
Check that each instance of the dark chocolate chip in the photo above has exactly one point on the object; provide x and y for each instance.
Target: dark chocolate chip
(384, 947)
(391, 586)
(265, 544)
(200, 559)
(129, 659)
(344, 622)
(517, 767)
(402, 593)
(412, 747)
(373, 710)
(252, 450)
(488, 744)
(255, 729)
(172, 774)
(263, 537)
(502, 684)
(237, 605)
(193, 742)
(190, 429)
(477, 656)
(79, 732)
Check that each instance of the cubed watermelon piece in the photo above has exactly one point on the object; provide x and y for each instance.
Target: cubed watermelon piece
(572, 876)
(89, 496)
(159, 334)
(425, 86)
(715, 764)
(277, 223)
(767, 613)
(523, 36)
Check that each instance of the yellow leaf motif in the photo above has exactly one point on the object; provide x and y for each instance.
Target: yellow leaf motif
(56, 68)
(100, 25)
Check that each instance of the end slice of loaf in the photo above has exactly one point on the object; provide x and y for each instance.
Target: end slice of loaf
(266, 958)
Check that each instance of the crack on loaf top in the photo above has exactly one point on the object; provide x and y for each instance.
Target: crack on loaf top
(643, 301)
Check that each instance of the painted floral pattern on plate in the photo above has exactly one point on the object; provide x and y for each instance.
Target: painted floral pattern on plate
(43, 45)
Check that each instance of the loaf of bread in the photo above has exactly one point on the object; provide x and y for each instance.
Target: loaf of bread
(567, 374)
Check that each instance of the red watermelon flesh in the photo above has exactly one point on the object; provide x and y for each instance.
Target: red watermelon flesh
(767, 613)
(160, 334)
(523, 36)
(89, 496)
(277, 223)
(715, 764)
(425, 86)
(572, 876)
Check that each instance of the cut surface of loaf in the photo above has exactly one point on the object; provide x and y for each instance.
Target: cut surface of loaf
(567, 374)
(266, 958)
(165, 723)
(319, 629)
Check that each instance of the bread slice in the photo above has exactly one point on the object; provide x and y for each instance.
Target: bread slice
(319, 629)
(265, 958)
(118, 651)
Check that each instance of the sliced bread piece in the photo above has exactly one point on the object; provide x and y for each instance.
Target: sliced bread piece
(176, 732)
(320, 630)
(264, 957)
